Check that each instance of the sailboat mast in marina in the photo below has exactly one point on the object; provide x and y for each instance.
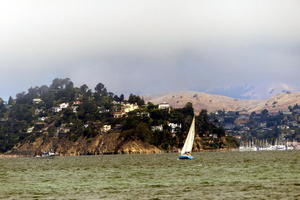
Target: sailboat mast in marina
(188, 144)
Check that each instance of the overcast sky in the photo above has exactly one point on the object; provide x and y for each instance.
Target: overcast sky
(149, 46)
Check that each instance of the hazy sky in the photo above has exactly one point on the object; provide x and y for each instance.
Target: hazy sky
(149, 46)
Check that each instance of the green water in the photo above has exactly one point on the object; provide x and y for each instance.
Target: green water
(232, 175)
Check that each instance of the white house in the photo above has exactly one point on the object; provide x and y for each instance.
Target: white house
(119, 114)
(38, 111)
(130, 107)
(283, 127)
(42, 118)
(64, 105)
(157, 128)
(174, 127)
(163, 106)
(30, 129)
(56, 109)
(37, 100)
(106, 128)
(60, 107)
(74, 108)
(287, 113)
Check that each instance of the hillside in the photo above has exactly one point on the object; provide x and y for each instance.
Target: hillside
(213, 103)
(101, 144)
(79, 121)
(278, 102)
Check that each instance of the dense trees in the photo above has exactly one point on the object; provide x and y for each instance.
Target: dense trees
(62, 83)
(37, 112)
(136, 99)
(22, 113)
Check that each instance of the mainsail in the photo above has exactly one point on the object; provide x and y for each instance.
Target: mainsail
(188, 144)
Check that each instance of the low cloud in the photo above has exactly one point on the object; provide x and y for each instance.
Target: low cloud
(149, 46)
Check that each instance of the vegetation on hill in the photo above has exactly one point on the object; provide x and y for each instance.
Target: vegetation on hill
(62, 110)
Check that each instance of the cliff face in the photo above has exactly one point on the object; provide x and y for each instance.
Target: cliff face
(102, 144)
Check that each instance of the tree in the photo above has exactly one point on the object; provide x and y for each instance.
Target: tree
(111, 95)
(140, 131)
(84, 88)
(151, 106)
(265, 113)
(121, 98)
(87, 111)
(203, 116)
(136, 99)
(69, 85)
(116, 98)
(188, 109)
(100, 89)
(21, 112)
(11, 101)
(2, 108)
(61, 83)
(44, 89)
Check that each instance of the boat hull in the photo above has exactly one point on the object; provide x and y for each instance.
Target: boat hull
(185, 157)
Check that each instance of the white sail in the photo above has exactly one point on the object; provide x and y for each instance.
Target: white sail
(188, 144)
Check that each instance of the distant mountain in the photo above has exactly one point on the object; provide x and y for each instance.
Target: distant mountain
(213, 103)
(280, 102)
(202, 100)
(258, 91)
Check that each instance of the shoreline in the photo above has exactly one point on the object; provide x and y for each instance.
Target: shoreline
(163, 152)
(203, 151)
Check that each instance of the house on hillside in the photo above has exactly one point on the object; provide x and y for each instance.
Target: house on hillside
(164, 106)
(56, 109)
(157, 128)
(37, 100)
(262, 125)
(75, 109)
(103, 110)
(119, 114)
(129, 107)
(105, 128)
(60, 107)
(77, 103)
(42, 118)
(174, 127)
(30, 129)
(124, 109)
(64, 105)
(287, 113)
(283, 127)
(38, 111)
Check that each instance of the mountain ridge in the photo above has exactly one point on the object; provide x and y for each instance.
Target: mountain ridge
(212, 103)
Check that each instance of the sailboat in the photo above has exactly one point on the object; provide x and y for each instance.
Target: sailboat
(188, 144)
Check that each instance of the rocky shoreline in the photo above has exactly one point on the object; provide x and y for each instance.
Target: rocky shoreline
(100, 145)
(130, 151)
